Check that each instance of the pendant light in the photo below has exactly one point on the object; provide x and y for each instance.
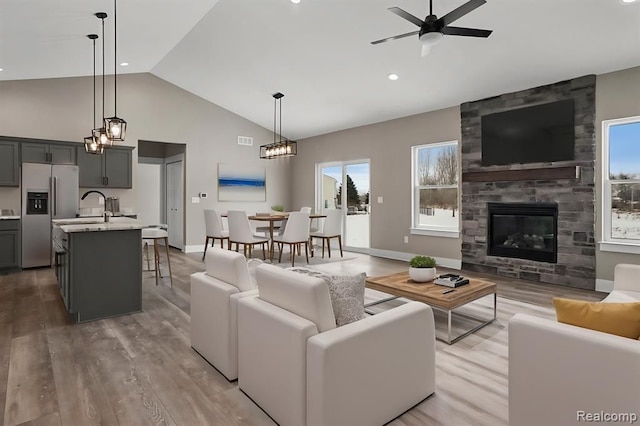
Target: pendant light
(91, 144)
(101, 133)
(116, 126)
(279, 148)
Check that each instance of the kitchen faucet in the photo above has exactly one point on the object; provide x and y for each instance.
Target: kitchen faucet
(106, 215)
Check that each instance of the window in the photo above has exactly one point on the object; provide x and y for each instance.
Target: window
(621, 183)
(434, 170)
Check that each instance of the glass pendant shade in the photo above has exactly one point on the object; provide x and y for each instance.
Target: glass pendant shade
(116, 128)
(101, 136)
(92, 146)
(282, 147)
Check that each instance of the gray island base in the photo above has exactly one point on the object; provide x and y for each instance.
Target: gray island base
(99, 268)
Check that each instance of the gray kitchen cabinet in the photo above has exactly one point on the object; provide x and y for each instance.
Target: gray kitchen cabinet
(95, 287)
(112, 169)
(33, 152)
(9, 163)
(9, 243)
(117, 167)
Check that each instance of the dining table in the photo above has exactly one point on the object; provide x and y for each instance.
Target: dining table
(272, 219)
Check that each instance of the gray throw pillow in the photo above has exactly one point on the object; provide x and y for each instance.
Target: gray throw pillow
(347, 294)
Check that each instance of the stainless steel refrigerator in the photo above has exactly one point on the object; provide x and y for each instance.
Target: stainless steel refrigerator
(48, 192)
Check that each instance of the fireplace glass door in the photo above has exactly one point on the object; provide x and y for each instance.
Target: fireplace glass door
(524, 231)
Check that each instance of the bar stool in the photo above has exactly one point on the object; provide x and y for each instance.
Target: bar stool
(156, 234)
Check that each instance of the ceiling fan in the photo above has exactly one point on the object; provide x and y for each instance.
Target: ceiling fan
(432, 29)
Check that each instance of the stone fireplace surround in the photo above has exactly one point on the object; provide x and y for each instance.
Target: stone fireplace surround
(570, 184)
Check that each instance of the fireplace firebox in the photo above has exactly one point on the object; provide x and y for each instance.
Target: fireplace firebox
(523, 230)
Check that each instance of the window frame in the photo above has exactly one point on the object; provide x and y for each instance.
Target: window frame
(608, 242)
(432, 230)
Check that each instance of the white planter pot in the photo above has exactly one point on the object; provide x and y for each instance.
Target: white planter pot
(422, 275)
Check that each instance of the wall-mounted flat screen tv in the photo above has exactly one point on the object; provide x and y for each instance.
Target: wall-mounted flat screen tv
(536, 134)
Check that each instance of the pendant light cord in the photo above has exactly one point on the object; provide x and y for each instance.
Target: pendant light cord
(115, 59)
(430, 7)
(280, 119)
(94, 81)
(102, 68)
(275, 108)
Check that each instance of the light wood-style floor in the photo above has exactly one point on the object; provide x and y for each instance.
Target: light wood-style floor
(140, 369)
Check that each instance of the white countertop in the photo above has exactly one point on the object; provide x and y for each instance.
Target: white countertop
(92, 227)
(89, 224)
(9, 217)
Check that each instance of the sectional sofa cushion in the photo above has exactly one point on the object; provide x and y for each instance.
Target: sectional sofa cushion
(230, 267)
(621, 319)
(347, 293)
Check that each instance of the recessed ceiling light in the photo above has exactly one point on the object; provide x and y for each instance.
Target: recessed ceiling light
(124, 64)
(628, 1)
(1, 69)
(392, 76)
(295, 1)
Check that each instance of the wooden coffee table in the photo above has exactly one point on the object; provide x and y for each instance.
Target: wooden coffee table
(400, 285)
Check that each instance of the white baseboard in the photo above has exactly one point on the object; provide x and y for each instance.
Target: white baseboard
(398, 255)
(193, 249)
(605, 286)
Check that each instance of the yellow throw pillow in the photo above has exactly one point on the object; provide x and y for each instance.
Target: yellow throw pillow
(621, 319)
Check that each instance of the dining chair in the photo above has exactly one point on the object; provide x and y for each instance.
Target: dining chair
(296, 231)
(213, 226)
(314, 227)
(332, 229)
(240, 232)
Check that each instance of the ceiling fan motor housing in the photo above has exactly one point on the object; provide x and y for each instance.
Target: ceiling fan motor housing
(431, 24)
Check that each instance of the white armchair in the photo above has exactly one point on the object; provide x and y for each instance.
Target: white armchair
(214, 301)
(302, 370)
(558, 371)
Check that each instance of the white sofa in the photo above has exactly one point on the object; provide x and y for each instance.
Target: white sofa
(302, 370)
(214, 300)
(559, 374)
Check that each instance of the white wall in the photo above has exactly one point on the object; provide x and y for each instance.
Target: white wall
(149, 199)
(61, 109)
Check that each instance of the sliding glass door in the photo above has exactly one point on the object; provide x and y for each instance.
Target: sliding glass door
(345, 186)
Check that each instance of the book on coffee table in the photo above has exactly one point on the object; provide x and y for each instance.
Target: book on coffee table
(451, 280)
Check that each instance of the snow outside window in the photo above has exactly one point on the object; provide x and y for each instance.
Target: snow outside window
(621, 181)
(435, 188)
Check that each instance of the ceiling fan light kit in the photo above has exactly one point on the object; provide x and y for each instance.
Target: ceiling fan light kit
(433, 29)
(280, 147)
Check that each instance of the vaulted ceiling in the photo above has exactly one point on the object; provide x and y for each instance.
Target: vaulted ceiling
(237, 53)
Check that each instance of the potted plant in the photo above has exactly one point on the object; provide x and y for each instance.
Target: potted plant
(422, 269)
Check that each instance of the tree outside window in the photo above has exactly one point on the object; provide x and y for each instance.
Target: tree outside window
(435, 177)
(621, 212)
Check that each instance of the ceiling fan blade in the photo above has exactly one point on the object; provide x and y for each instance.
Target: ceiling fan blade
(396, 37)
(460, 12)
(469, 32)
(406, 15)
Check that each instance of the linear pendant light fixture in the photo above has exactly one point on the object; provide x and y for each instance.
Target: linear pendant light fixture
(92, 144)
(116, 126)
(101, 133)
(279, 148)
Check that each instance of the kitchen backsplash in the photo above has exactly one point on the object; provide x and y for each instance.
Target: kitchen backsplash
(10, 199)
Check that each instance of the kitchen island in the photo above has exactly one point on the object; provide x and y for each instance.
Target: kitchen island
(99, 266)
